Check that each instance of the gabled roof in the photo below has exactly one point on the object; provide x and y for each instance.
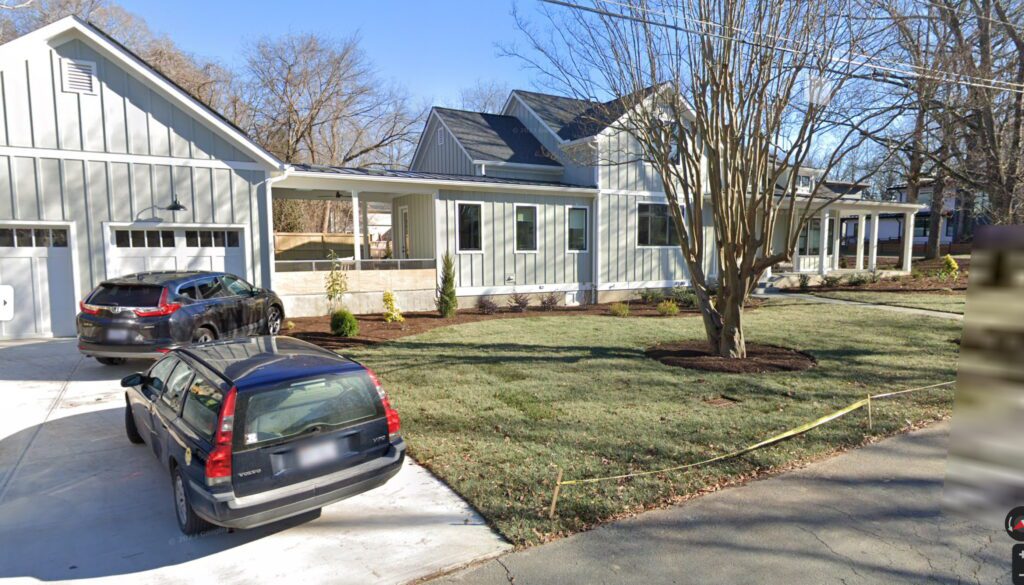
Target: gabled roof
(573, 118)
(115, 51)
(492, 137)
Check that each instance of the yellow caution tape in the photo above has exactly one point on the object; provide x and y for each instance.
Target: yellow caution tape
(781, 436)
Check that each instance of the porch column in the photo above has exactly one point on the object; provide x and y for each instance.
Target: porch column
(873, 243)
(823, 243)
(860, 241)
(356, 239)
(836, 239)
(908, 239)
(365, 223)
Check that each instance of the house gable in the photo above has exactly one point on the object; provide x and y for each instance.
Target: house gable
(131, 110)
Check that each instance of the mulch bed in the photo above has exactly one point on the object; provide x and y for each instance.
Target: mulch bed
(373, 329)
(761, 359)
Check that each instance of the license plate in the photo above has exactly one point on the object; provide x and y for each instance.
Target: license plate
(317, 454)
(117, 334)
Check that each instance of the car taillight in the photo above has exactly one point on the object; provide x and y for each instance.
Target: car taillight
(162, 310)
(88, 309)
(394, 422)
(218, 463)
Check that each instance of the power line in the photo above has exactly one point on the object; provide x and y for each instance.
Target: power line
(1017, 27)
(923, 73)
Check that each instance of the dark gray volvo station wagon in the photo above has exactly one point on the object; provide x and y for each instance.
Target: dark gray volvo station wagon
(256, 430)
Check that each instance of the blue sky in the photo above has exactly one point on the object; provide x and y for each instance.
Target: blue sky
(433, 48)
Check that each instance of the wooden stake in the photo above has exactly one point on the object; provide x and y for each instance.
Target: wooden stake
(871, 425)
(554, 497)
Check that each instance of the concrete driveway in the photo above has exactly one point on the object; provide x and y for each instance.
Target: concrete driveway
(78, 501)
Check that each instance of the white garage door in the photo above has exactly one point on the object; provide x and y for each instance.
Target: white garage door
(144, 248)
(36, 261)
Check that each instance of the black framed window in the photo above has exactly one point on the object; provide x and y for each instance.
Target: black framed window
(470, 233)
(526, 228)
(654, 226)
(577, 229)
(921, 226)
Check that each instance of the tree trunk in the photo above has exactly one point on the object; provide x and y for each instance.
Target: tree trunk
(731, 343)
(933, 248)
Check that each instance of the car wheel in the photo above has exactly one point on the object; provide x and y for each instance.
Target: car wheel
(203, 335)
(273, 321)
(111, 361)
(129, 426)
(188, 521)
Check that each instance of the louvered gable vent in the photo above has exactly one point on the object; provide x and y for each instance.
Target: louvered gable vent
(79, 76)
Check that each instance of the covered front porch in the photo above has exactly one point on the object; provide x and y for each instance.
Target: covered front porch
(389, 246)
(818, 249)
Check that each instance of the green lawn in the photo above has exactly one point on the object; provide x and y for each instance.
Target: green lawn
(947, 302)
(493, 407)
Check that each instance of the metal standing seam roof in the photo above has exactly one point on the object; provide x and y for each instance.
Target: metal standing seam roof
(427, 176)
(493, 137)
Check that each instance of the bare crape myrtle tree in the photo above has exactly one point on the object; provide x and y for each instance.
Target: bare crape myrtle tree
(722, 99)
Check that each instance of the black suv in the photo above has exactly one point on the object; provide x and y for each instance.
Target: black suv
(146, 315)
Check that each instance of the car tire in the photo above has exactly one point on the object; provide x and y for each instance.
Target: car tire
(188, 521)
(274, 319)
(129, 426)
(111, 361)
(203, 335)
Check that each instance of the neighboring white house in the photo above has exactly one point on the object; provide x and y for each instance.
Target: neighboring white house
(108, 168)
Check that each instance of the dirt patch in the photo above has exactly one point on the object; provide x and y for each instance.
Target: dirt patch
(761, 359)
(373, 329)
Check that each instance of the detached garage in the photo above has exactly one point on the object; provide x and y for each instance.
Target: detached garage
(108, 168)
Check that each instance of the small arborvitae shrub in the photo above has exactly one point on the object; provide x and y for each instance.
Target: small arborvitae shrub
(843, 263)
(518, 302)
(950, 269)
(805, 281)
(651, 296)
(619, 309)
(668, 308)
(684, 297)
(549, 301)
(831, 281)
(857, 280)
(447, 303)
(486, 305)
(344, 323)
(391, 312)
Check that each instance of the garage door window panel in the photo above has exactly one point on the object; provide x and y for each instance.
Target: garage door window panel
(23, 237)
(6, 238)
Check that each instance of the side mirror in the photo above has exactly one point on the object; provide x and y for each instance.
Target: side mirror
(136, 379)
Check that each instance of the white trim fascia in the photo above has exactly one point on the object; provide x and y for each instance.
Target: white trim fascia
(586, 249)
(554, 170)
(523, 288)
(72, 249)
(515, 228)
(447, 184)
(112, 157)
(551, 130)
(649, 194)
(483, 243)
(606, 131)
(416, 151)
(642, 284)
(149, 75)
(401, 208)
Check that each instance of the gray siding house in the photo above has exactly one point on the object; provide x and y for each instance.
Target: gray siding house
(94, 148)
(107, 168)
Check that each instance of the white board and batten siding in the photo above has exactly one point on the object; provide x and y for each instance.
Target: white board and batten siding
(111, 157)
(499, 269)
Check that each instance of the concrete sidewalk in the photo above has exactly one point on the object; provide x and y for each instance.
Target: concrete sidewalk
(872, 515)
(829, 301)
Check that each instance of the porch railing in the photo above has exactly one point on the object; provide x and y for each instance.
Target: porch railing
(325, 265)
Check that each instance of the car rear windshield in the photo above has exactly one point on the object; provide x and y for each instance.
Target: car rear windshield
(322, 403)
(127, 295)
